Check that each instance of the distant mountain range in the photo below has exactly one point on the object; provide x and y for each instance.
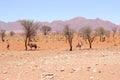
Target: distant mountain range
(75, 23)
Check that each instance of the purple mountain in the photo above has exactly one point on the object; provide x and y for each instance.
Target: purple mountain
(75, 23)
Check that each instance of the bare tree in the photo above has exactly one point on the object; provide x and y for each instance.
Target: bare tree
(45, 29)
(2, 33)
(100, 31)
(30, 30)
(68, 33)
(12, 33)
(114, 29)
(87, 33)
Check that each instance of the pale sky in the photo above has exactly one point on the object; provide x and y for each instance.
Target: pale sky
(49, 10)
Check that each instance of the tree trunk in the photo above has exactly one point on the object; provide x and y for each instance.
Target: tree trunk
(90, 45)
(29, 38)
(2, 39)
(70, 48)
(70, 43)
(26, 43)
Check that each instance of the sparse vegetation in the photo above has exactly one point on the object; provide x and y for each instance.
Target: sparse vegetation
(45, 29)
(56, 39)
(86, 32)
(68, 33)
(30, 30)
(100, 31)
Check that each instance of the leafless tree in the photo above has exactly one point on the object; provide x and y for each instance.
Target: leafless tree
(114, 29)
(87, 33)
(2, 33)
(100, 31)
(68, 33)
(45, 29)
(30, 30)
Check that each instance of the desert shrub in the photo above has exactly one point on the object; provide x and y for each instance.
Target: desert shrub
(100, 31)
(12, 33)
(45, 29)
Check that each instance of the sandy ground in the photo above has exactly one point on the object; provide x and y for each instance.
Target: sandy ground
(95, 64)
(53, 60)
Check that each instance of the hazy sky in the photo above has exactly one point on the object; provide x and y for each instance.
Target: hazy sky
(49, 10)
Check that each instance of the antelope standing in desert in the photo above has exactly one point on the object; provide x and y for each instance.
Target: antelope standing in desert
(32, 45)
(79, 45)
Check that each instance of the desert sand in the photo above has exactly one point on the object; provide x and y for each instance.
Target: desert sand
(56, 62)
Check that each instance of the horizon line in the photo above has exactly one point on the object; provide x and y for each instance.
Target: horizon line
(50, 21)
